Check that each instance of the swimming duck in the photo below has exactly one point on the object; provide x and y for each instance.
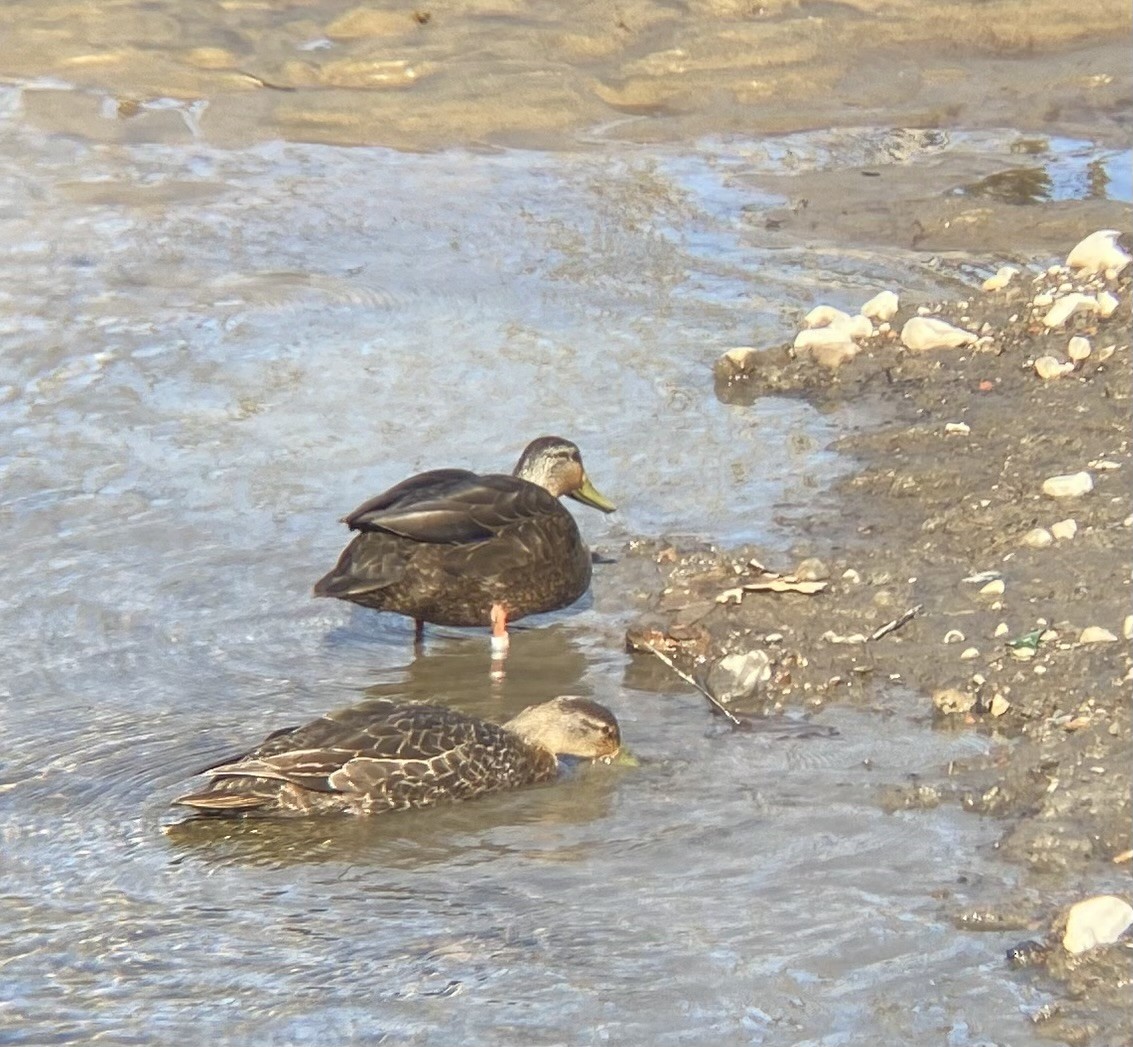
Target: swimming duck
(455, 548)
(387, 755)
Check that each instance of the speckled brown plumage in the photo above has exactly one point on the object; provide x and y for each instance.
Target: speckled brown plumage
(386, 755)
(446, 546)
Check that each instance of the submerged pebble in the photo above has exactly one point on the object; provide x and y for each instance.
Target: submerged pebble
(1099, 920)
(926, 332)
(1069, 485)
(951, 700)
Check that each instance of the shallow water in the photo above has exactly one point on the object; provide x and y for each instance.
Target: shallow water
(209, 356)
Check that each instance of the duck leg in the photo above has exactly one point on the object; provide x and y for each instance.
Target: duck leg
(499, 629)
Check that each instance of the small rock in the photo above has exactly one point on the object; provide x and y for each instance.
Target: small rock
(1127, 627)
(826, 316)
(1064, 529)
(1100, 920)
(1047, 367)
(1105, 352)
(969, 653)
(1002, 629)
(999, 705)
(738, 676)
(737, 361)
(995, 587)
(828, 346)
(1066, 307)
(923, 332)
(832, 637)
(1096, 634)
(954, 636)
(951, 700)
(1004, 275)
(1078, 348)
(851, 576)
(957, 428)
(1099, 254)
(1038, 538)
(1043, 301)
(1070, 485)
(881, 307)
(812, 570)
(1107, 304)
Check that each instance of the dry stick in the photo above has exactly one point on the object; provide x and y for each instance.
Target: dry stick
(893, 626)
(736, 721)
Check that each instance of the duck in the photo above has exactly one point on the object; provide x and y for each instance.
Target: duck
(387, 754)
(452, 547)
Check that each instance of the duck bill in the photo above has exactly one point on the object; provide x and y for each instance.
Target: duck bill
(588, 495)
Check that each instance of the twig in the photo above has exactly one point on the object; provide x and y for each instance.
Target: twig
(893, 626)
(716, 704)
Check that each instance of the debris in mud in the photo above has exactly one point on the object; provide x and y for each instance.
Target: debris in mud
(957, 482)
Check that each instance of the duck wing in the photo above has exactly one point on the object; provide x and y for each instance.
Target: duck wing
(453, 507)
(366, 747)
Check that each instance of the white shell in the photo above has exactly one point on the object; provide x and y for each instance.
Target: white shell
(1066, 307)
(1107, 304)
(882, 306)
(826, 316)
(925, 332)
(1096, 634)
(1064, 529)
(1038, 538)
(1098, 253)
(1047, 367)
(1096, 921)
(1078, 348)
(1069, 485)
(1002, 278)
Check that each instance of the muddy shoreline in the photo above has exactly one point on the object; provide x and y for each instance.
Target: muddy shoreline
(940, 515)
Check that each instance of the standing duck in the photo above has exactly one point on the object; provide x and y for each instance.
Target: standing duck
(455, 548)
(387, 755)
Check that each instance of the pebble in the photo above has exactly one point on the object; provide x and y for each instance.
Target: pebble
(954, 636)
(999, 705)
(1064, 529)
(1078, 348)
(851, 576)
(1099, 253)
(737, 676)
(1066, 307)
(1069, 485)
(1038, 538)
(1096, 634)
(995, 587)
(881, 307)
(957, 428)
(1107, 304)
(812, 569)
(832, 637)
(1043, 300)
(923, 332)
(1047, 367)
(826, 316)
(1004, 275)
(969, 653)
(1100, 920)
(1105, 352)
(1127, 627)
(1002, 629)
(951, 700)
(828, 346)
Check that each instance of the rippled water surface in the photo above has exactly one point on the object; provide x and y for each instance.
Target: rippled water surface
(208, 357)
